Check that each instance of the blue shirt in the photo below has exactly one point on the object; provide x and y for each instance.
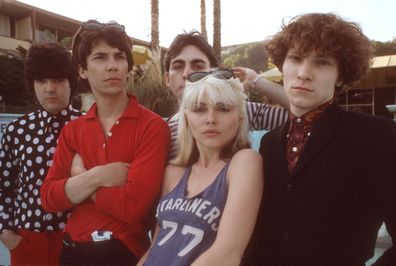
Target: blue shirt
(188, 226)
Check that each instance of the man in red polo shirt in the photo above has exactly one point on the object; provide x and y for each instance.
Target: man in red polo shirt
(123, 147)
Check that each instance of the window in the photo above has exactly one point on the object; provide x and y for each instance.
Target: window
(358, 100)
(46, 33)
(5, 28)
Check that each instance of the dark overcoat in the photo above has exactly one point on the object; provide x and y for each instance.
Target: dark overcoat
(328, 211)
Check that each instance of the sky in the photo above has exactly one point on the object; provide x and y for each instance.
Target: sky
(241, 21)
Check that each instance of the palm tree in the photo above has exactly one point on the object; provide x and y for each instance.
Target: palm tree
(203, 20)
(217, 28)
(154, 25)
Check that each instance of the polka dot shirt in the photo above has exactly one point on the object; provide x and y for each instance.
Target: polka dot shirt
(26, 152)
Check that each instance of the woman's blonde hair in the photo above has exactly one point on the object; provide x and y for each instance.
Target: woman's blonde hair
(226, 91)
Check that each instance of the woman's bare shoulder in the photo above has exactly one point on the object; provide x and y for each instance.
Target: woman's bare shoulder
(246, 155)
(247, 163)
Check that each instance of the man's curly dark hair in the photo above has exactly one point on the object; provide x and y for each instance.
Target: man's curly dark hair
(325, 33)
(49, 61)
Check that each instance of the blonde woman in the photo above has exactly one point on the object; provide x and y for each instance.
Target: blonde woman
(212, 189)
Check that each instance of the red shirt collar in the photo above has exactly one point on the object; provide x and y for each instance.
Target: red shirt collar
(131, 111)
(310, 117)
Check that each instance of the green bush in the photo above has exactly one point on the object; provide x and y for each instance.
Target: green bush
(147, 84)
(12, 83)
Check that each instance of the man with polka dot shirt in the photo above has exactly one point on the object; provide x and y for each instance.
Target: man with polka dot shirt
(33, 235)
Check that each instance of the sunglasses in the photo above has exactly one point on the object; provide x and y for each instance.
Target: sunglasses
(97, 26)
(220, 73)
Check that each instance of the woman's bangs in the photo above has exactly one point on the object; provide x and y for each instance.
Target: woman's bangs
(212, 91)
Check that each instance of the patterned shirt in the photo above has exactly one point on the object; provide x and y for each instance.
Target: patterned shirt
(26, 151)
(260, 117)
(299, 131)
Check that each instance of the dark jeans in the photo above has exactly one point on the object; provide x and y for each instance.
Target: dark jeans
(103, 253)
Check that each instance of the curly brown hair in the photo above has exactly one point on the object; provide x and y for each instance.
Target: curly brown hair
(328, 34)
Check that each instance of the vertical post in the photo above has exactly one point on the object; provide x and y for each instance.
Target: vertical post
(217, 28)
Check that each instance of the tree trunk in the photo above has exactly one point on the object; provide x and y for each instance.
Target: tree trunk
(217, 28)
(154, 25)
(204, 32)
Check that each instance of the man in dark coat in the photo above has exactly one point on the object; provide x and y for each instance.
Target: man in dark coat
(329, 175)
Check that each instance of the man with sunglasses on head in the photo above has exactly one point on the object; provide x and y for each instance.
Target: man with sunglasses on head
(33, 235)
(109, 163)
(189, 53)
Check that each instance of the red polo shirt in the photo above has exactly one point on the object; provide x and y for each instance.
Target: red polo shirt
(138, 137)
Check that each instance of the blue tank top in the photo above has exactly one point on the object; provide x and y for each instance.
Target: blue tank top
(188, 226)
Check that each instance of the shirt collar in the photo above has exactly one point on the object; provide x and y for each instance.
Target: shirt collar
(45, 115)
(310, 117)
(47, 120)
(131, 111)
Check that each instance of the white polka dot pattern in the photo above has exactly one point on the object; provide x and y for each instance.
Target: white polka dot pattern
(26, 151)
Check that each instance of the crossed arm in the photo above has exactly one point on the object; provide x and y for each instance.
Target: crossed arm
(134, 187)
(84, 183)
